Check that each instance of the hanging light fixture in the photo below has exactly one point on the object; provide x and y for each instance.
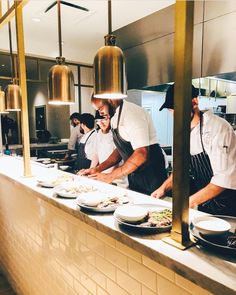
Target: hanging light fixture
(109, 67)
(61, 89)
(2, 102)
(13, 92)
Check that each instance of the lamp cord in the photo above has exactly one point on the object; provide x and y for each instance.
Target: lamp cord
(59, 26)
(10, 45)
(109, 18)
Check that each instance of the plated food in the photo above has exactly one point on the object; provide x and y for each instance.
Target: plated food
(145, 218)
(72, 189)
(53, 181)
(101, 201)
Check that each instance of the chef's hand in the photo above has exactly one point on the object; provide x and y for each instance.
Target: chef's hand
(85, 172)
(104, 177)
(158, 193)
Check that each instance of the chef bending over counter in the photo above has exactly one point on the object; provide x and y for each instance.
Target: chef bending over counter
(136, 144)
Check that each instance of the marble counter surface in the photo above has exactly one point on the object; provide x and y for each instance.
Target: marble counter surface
(210, 271)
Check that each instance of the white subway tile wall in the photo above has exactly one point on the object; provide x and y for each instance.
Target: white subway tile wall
(45, 251)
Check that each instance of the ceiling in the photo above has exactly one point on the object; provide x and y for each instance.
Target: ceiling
(82, 32)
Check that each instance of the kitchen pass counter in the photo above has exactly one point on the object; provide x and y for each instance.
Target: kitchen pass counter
(49, 246)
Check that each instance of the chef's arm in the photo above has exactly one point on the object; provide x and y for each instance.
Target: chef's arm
(113, 160)
(165, 187)
(205, 194)
(137, 159)
(94, 161)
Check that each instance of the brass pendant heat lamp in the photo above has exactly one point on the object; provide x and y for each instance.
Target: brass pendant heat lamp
(109, 68)
(13, 91)
(61, 89)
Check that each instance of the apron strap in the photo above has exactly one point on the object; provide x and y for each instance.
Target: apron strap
(119, 115)
(88, 137)
(201, 126)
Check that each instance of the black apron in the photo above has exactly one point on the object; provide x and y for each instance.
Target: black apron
(150, 175)
(82, 162)
(201, 173)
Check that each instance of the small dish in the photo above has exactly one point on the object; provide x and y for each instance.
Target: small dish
(64, 167)
(131, 213)
(91, 199)
(211, 225)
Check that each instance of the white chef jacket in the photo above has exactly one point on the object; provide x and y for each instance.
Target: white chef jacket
(90, 147)
(104, 147)
(75, 137)
(135, 125)
(219, 141)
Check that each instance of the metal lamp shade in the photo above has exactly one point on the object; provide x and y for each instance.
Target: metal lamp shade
(13, 98)
(61, 85)
(109, 73)
(2, 103)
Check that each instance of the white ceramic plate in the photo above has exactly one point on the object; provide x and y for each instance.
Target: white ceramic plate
(90, 201)
(210, 225)
(72, 189)
(131, 213)
(43, 159)
(51, 182)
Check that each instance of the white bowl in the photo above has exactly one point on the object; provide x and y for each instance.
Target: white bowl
(91, 199)
(210, 225)
(65, 140)
(64, 167)
(131, 213)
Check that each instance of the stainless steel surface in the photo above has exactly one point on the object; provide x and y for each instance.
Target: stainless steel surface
(218, 8)
(13, 97)
(219, 45)
(149, 52)
(182, 107)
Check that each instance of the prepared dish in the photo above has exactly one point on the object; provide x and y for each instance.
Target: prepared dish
(54, 181)
(101, 202)
(73, 189)
(158, 218)
(231, 240)
(144, 217)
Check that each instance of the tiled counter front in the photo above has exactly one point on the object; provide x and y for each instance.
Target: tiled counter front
(47, 251)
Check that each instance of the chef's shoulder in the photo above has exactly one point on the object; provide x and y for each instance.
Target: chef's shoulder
(133, 110)
(217, 124)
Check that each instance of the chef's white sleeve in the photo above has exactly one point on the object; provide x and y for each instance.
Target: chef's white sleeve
(223, 158)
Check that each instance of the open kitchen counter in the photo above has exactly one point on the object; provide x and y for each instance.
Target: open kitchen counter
(49, 246)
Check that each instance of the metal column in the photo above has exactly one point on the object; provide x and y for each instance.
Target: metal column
(22, 78)
(182, 116)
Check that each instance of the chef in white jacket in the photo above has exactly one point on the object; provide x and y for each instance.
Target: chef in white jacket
(212, 161)
(104, 145)
(75, 135)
